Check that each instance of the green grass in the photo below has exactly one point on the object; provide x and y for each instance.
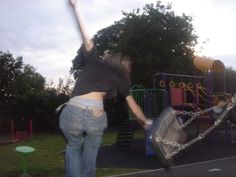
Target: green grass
(47, 161)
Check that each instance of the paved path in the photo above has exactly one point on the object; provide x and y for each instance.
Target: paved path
(224, 167)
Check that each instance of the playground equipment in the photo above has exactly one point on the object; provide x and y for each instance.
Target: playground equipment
(190, 84)
(194, 93)
(191, 98)
(180, 94)
(14, 134)
(151, 102)
(24, 151)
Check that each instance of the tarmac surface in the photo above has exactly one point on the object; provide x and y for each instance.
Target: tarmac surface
(224, 167)
(212, 157)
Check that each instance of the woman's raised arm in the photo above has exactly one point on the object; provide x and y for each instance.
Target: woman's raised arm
(88, 42)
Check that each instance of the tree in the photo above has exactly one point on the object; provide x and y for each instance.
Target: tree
(156, 39)
(65, 87)
(23, 95)
(10, 70)
(27, 90)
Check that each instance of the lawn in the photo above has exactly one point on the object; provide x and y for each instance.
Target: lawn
(47, 160)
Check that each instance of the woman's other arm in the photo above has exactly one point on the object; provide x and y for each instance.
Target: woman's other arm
(137, 111)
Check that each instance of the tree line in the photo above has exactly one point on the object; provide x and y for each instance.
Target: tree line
(24, 94)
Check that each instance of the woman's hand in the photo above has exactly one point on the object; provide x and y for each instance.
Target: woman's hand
(148, 123)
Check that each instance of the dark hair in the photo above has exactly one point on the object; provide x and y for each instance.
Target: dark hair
(116, 58)
(78, 62)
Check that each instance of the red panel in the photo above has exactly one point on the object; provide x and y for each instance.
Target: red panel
(176, 96)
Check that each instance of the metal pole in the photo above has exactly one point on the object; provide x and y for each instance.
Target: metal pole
(24, 163)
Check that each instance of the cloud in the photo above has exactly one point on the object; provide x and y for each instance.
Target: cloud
(42, 32)
(33, 24)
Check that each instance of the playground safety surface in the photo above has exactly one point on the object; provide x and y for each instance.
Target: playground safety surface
(208, 158)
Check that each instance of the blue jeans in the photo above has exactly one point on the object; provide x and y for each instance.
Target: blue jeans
(83, 129)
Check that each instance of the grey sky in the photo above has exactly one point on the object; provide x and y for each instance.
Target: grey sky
(45, 34)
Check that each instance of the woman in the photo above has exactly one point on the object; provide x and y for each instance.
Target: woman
(83, 120)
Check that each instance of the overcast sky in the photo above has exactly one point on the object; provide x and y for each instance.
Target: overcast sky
(45, 34)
